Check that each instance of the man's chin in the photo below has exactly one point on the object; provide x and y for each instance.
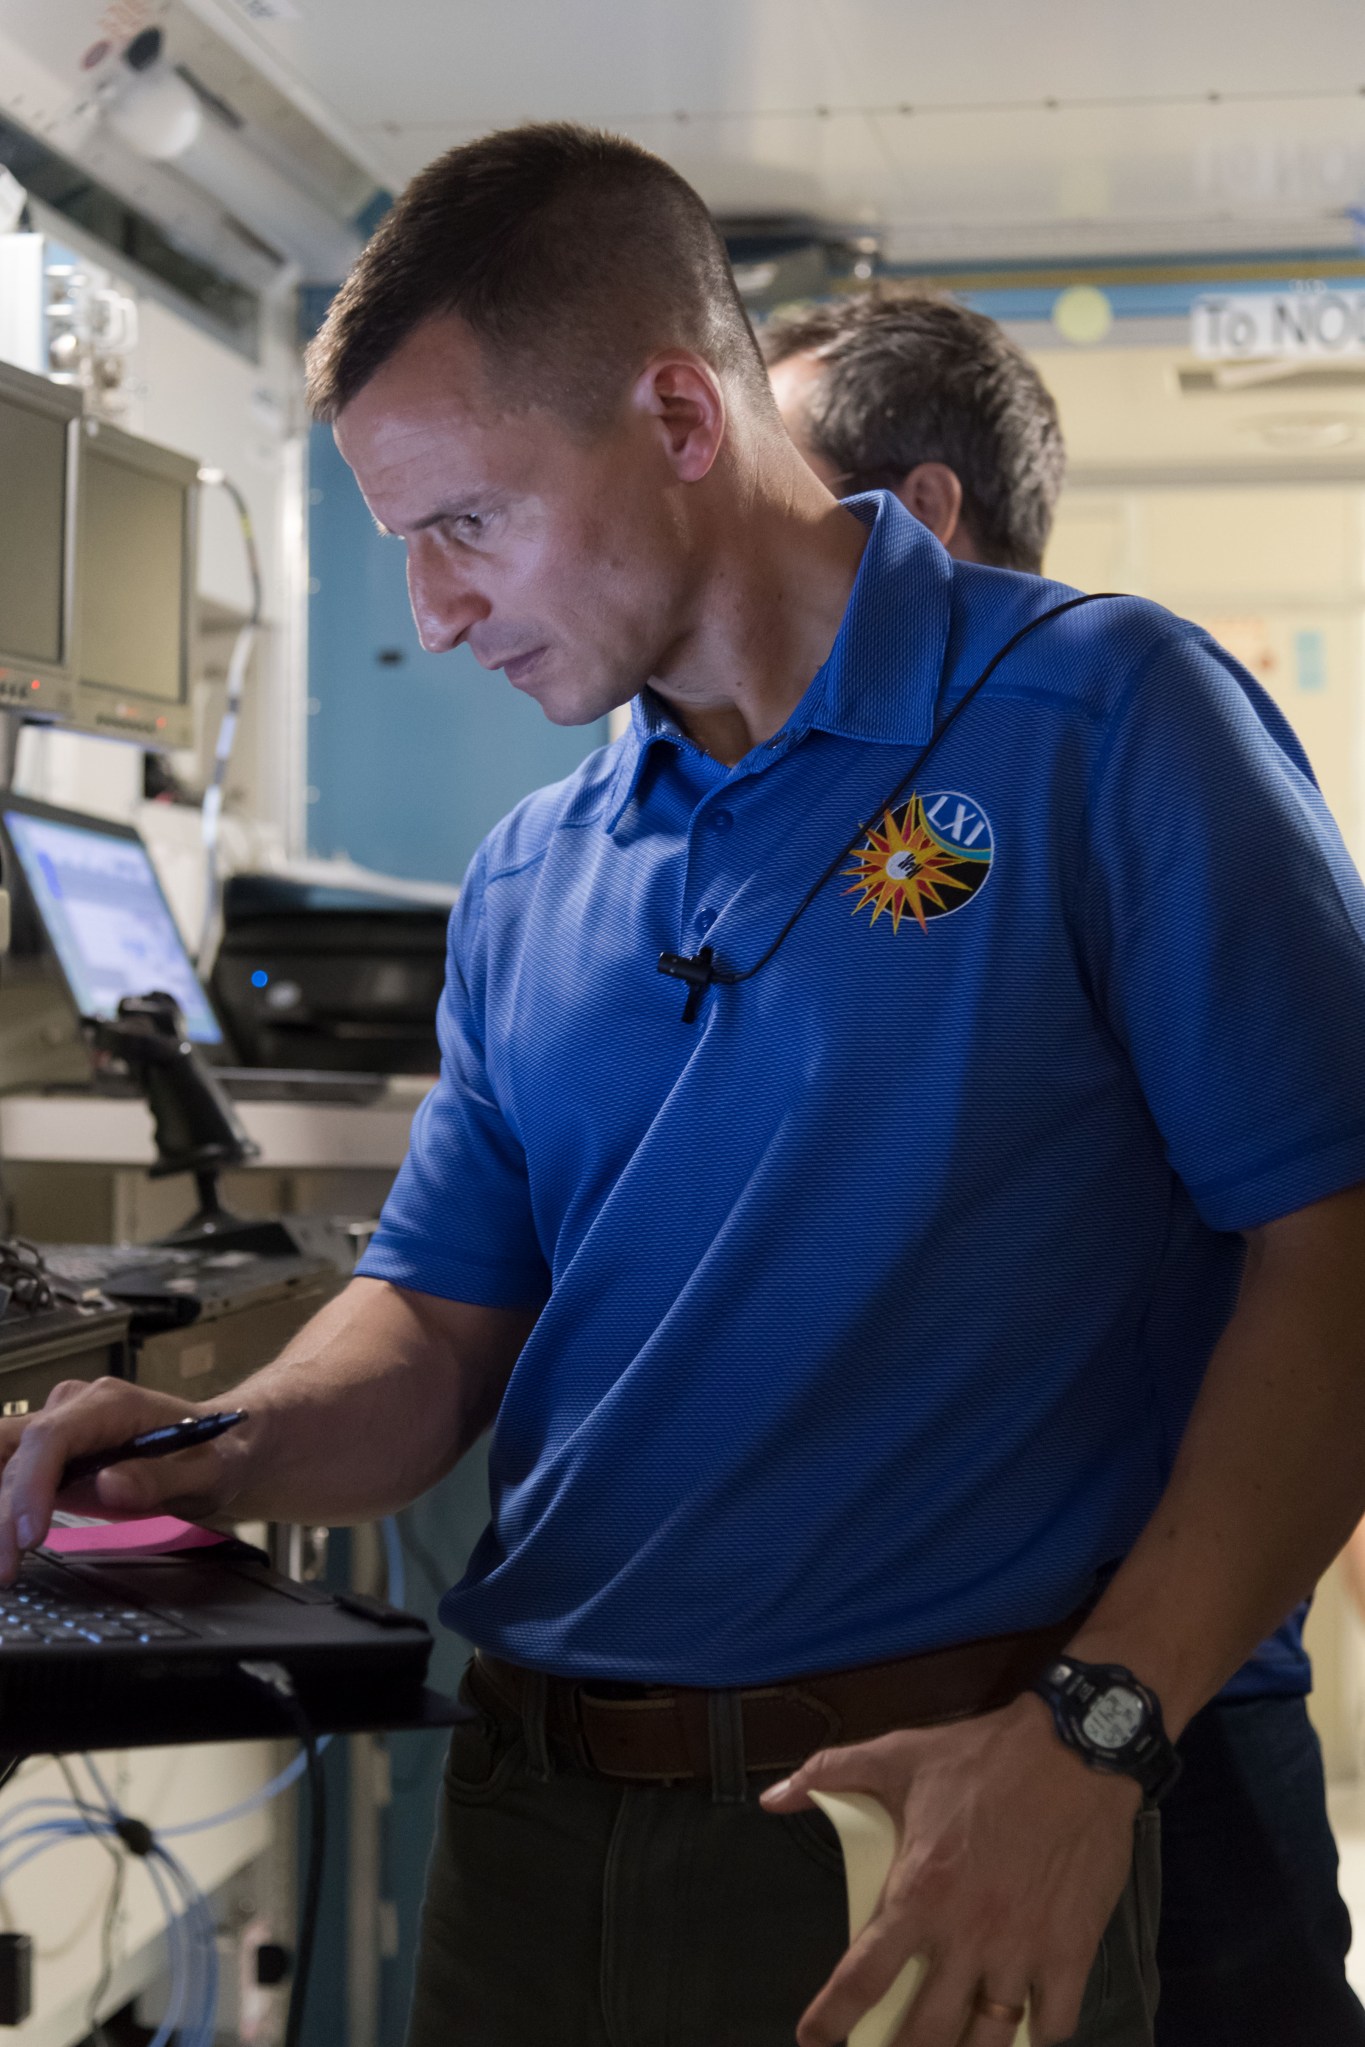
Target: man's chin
(560, 712)
(564, 706)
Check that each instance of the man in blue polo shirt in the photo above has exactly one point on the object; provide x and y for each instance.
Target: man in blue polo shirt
(929, 398)
(920, 1324)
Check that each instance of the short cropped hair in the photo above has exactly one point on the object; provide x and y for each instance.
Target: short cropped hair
(907, 378)
(572, 255)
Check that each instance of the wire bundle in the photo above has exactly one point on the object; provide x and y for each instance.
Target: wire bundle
(191, 1936)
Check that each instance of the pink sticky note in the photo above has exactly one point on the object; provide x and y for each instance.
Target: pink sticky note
(154, 1537)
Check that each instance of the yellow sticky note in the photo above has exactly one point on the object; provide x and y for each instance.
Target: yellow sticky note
(867, 1835)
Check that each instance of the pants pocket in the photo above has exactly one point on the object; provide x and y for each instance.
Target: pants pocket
(1120, 1998)
(484, 1751)
(814, 1834)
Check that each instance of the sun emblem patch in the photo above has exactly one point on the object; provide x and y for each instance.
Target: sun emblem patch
(928, 858)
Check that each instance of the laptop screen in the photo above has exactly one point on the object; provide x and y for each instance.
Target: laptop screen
(107, 919)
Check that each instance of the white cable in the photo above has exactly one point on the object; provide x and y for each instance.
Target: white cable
(201, 1935)
(63, 1805)
(289, 1775)
(211, 813)
(177, 1962)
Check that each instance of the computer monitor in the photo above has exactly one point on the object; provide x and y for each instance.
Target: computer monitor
(98, 898)
(135, 556)
(38, 456)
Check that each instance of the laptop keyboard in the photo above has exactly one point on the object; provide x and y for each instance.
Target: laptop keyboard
(89, 1264)
(41, 1607)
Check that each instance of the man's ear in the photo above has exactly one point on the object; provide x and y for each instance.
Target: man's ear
(681, 395)
(933, 492)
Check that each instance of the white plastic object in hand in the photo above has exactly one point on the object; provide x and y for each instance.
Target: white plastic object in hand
(867, 1835)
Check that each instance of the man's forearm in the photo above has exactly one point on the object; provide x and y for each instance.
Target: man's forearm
(1270, 1479)
(373, 1401)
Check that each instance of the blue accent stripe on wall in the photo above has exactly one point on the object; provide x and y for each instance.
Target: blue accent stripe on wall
(1170, 300)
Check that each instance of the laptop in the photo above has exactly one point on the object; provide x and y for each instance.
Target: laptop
(92, 887)
(119, 1650)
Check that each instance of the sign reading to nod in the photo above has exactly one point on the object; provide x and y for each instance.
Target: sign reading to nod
(1310, 323)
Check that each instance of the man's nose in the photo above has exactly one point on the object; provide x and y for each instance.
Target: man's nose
(444, 602)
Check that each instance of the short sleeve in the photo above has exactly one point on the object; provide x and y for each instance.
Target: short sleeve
(458, 1220)
(1226, 927)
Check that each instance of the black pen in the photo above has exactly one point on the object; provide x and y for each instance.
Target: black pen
(156, 1443)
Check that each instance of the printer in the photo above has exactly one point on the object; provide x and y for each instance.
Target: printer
(330, 978)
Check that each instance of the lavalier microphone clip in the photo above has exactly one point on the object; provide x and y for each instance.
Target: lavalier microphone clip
(697, 969)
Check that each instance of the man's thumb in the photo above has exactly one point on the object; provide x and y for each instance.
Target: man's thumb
(150, 1485)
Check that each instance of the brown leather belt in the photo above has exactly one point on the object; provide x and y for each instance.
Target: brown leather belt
(646, 1734)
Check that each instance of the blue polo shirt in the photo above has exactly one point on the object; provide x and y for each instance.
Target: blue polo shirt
(874, 1301)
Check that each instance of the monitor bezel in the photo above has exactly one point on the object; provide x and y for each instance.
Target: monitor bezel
(103, 708)
(221, 1054)
(54, 699)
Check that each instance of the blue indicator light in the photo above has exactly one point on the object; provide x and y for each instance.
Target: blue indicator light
(260, 979)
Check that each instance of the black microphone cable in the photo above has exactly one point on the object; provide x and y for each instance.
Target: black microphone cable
(699, 970)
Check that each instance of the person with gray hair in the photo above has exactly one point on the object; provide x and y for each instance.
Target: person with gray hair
(924, 397)
(917, 394)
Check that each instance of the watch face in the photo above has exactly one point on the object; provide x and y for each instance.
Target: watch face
(1114, 1719)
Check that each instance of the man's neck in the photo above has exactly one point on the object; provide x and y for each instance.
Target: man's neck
(781, 560)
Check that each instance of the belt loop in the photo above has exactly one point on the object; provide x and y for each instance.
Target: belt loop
(725, 1739)
(534, 1714)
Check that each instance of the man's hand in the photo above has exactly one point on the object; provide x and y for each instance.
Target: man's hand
(1011, 1856)
(98, 1415)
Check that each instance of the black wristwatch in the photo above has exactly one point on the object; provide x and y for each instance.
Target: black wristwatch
(1111, 1721)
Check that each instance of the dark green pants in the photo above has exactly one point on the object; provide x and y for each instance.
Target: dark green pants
(566, 1911)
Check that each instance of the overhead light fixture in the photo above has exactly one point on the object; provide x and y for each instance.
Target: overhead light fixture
(867, 250)
(1305, 433)
(158, 115)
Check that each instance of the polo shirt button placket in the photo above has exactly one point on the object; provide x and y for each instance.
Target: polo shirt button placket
(705, 919)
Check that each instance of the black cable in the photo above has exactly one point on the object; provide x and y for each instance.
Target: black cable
(312, 1892)
(10, 1767)
(278, 1681)
(24, 1279)
(700, 971)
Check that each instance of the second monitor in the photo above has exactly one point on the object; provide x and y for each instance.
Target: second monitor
(135, 564)
(97, 569)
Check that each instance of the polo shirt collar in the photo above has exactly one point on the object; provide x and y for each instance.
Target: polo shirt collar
(880, 682)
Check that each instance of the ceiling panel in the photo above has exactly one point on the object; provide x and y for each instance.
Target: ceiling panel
(985, 52)
(991, 128)
(1171, 175)
(424, 62)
